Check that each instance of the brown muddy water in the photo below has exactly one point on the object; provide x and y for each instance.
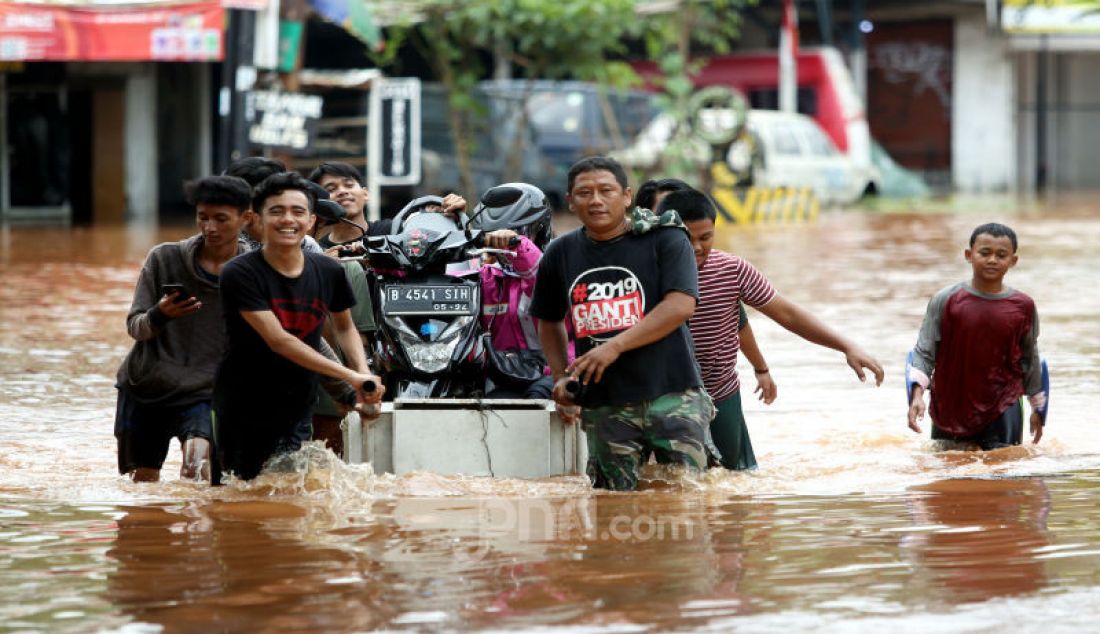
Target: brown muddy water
(852, 523)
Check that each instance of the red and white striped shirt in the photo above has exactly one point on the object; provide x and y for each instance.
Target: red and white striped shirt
(724, 281)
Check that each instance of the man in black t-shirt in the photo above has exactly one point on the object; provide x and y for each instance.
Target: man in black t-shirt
(629, 297)
(275, 300)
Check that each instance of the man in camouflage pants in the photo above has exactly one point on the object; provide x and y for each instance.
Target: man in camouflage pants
(628, 292)
(620, 437)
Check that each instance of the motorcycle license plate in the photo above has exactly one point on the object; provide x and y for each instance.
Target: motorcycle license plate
(428, 299)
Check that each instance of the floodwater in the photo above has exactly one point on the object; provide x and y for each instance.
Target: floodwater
(852, 522)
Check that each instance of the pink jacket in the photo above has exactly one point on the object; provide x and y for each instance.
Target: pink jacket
(506, 301)
(506, 297)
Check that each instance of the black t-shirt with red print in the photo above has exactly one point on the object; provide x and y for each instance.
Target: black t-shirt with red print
(606, 288)
(251, 373)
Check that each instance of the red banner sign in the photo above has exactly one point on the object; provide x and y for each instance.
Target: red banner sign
(180, 32)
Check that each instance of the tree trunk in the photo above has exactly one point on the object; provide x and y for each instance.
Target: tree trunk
(460, 132)
(513, 167)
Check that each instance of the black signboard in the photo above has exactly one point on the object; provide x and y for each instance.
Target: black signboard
(397, 114)
(282, 120)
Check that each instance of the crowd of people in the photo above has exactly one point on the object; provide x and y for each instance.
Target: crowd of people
(635, 320)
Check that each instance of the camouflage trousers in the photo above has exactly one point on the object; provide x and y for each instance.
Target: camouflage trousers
(672, 426)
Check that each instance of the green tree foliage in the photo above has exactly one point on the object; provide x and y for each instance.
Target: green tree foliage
(557, 39)
(543, 40)
(679, 42)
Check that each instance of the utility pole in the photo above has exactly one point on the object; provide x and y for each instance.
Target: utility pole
(237, 77)
(788, 58)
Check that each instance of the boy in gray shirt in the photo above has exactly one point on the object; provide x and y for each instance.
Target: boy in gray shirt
(166, 382)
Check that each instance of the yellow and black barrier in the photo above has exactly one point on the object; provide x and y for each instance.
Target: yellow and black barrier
(765, 205)
(760, 205)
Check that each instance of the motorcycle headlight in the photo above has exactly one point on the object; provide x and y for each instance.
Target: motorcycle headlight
(433, 356)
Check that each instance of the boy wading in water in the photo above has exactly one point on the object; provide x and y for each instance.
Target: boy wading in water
(721, 378)
(977, 352)
(275, 301)
(166, 382)
(725, 281)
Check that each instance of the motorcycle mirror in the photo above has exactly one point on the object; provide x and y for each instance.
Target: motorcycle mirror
(330, 212)
(494, 197)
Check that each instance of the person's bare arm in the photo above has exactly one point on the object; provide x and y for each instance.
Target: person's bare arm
(287, 345)
(799, 321)
(924, 357)
(673, 310)
(765, 383)
(916, 407)
(555, 346)
(351, 343)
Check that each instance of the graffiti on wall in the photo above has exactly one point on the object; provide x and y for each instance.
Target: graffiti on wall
(923, 66)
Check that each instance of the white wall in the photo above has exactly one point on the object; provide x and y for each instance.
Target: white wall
(983, 126)
(141, 143)
(1076, 131)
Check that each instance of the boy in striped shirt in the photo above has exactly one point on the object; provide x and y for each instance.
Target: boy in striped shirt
(725, 280)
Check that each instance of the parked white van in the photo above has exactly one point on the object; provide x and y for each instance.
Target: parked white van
(780, 149)
(796, 152)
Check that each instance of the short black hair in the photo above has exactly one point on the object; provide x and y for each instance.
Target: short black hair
(277, 184)
(997, 230)
(594, 163)
(219, 190)
(343, 170)
(691, 204)
(255, 169)
(646, 196)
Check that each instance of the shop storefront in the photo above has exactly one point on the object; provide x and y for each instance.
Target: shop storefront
(104, 109)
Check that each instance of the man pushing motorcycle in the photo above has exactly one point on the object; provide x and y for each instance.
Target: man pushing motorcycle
(275, 301)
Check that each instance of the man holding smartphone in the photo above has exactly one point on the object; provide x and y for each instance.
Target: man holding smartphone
(166, 382)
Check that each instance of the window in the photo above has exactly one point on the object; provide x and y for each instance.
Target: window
(786, 143)
(768, 99)
(820, 145)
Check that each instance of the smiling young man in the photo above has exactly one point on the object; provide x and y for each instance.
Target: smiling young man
(254, 169)
(275, 301)
(978, 353)
(344, 184)
(629, 297)
(166, 382)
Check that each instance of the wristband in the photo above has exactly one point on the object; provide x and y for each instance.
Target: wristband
(764, 371)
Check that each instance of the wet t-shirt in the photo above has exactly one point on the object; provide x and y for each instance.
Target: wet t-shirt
(251, 373)
(608, 287)
(981, 351)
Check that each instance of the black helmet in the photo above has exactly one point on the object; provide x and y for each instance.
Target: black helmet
(521, 207)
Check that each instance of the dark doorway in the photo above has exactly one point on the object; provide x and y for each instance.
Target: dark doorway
(38, 137)
(80, 143)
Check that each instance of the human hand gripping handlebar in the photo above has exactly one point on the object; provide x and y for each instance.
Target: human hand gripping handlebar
(485, 250)
(568, 409)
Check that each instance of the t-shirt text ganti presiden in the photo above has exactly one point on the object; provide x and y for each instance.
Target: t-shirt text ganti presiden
(606, 287)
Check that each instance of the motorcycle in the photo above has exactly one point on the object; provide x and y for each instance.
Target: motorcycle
(428, 343)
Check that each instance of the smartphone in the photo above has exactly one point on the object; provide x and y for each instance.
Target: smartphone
(182, 296)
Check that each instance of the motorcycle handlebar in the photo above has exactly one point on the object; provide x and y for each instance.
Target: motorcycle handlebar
(512, 242)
